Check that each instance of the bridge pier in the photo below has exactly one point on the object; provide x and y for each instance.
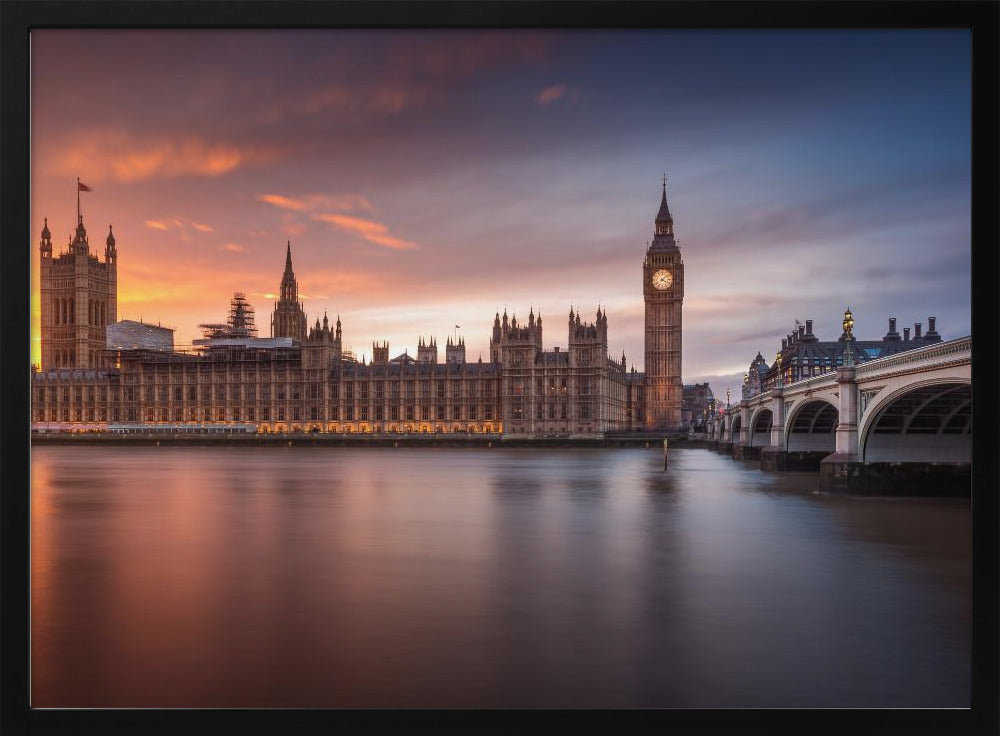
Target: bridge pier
(746, 452)
(774, 458)
(840, 474)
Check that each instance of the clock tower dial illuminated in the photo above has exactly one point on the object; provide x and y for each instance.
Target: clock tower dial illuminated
(662, 279)
(663, 292)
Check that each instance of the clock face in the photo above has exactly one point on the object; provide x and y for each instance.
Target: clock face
(662, 279)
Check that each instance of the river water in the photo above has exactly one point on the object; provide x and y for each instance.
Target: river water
(326, 577)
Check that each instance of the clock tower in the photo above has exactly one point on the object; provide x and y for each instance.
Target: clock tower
(663, 292)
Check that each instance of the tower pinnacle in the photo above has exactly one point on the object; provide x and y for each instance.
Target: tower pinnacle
(664, 222)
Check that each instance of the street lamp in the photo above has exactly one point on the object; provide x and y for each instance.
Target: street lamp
(848, 326)
(727, 397)
(777, 361)
(746, 385)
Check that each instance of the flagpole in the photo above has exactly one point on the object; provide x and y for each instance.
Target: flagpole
(78, 200)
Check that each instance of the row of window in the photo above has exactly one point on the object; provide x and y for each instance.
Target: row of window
(265, 414)
(455, 388)
(129, 394)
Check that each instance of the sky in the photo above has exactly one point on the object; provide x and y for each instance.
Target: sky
(428, 179)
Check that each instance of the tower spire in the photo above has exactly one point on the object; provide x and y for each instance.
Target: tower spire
(664, 221)
(663, 216)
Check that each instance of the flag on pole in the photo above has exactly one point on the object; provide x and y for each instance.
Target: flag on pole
(80, 187)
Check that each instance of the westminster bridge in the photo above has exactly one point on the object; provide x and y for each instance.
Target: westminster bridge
(898, 424)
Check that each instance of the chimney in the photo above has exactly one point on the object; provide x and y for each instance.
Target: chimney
(892, 335)
(916, 330)
(809, 327)
(784, 343)
(931, 331)
(802, 331)
(906, 334)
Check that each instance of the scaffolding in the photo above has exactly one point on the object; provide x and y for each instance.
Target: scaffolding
(241, 316)
(239, 326)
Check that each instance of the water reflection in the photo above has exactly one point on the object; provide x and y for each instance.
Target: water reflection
(318, 577)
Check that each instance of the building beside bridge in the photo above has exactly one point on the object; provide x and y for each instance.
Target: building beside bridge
(803, 354)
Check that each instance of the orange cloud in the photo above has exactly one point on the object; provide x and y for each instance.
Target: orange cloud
(317, 201)
(234, 248)
(112, 154)
(373, 232)
(390, 242)
(354, 224)
(179, 223)
(551, 93)
(279, 200)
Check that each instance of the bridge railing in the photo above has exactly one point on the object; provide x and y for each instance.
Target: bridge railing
(946, 349)
(959, 346)
(805, 383)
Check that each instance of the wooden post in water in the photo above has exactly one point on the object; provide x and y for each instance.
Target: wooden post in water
(664, 453)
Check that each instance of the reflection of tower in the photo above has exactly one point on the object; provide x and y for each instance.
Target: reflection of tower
(663, 291)
(79, 298)
(288, 319)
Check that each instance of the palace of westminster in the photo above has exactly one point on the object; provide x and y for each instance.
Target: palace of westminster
(97, 372)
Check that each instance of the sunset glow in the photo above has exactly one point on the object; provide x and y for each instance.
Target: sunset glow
(428, 179)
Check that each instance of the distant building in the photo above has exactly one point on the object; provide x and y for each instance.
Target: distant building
(698, 405)
(803, 354)
(131, 335)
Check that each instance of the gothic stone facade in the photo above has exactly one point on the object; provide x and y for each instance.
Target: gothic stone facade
(577, 392)
(312, 384)
(79, 299)
(663, 291)
(311, 387)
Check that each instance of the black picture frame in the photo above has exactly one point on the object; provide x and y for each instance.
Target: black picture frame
(20, 17)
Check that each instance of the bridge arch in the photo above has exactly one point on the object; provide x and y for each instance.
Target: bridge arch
(811, 426)
(760, 427)
(928, 421)
(734, 429)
